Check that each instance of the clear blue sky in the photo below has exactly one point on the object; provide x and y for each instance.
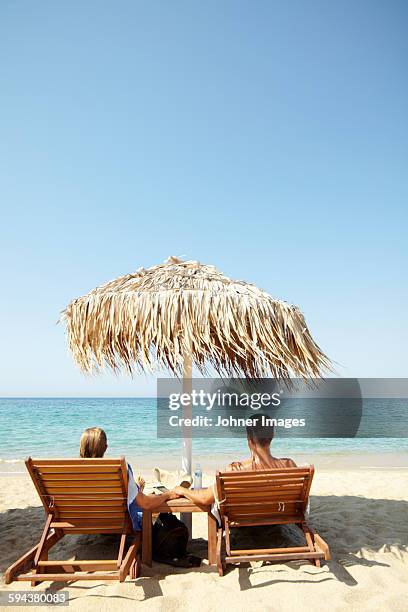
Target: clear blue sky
(268, 138)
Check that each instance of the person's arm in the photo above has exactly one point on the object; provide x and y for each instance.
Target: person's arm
(153, 501)
(201, 497)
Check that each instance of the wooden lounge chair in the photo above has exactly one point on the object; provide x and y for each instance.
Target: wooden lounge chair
(267, 497)
(80, 496)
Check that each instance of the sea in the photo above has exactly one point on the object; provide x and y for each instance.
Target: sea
(52, 427)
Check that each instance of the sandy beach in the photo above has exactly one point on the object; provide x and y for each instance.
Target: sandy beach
(361, 512)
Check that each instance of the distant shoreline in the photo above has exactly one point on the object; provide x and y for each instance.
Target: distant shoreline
(211, 462)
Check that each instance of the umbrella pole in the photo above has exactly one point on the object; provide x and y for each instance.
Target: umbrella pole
(187, 438)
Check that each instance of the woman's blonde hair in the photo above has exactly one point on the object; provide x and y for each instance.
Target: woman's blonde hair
(93, 443)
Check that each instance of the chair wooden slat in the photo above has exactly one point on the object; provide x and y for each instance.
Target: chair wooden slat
(271, 519)
(262, 474)
(265, 507)
(77, 469)
(261, 495)
(80, 462)
(100, 517)
(119, 502)
(95, 495)
(267, 482)
(77, 477)
(91, 488)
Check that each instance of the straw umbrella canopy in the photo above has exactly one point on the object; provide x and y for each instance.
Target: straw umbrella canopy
(183, 313)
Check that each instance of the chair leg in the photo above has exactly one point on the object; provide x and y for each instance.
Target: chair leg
(311, 539)
(43, 557)
(130, 557)
(28, 558)
(323, 546)
(19, 565)
(136, 567)
(147, 538)
(121, 549)
(220, 565)
(227, 537)
(42, 552)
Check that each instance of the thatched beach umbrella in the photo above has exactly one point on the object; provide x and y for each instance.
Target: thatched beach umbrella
(183, 313)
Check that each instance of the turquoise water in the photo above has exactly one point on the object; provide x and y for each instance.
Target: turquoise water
(52, 427)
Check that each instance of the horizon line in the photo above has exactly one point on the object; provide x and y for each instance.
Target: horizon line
(78, 397)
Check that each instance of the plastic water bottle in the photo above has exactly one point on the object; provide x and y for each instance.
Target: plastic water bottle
(198, 477)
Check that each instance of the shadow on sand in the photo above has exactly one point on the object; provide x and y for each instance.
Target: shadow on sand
(354, 527)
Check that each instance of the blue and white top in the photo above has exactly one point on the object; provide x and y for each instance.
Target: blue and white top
(135, 512)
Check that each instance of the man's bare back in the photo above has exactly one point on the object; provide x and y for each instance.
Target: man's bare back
(249, 465)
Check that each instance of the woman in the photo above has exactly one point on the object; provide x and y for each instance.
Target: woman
(259, 438)
(94, 444)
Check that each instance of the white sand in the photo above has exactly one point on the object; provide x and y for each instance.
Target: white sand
(362, 514)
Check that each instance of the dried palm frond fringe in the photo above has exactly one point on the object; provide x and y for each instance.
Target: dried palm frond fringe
(157, 316)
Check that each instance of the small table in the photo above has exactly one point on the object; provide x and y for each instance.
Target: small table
(178, 505)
